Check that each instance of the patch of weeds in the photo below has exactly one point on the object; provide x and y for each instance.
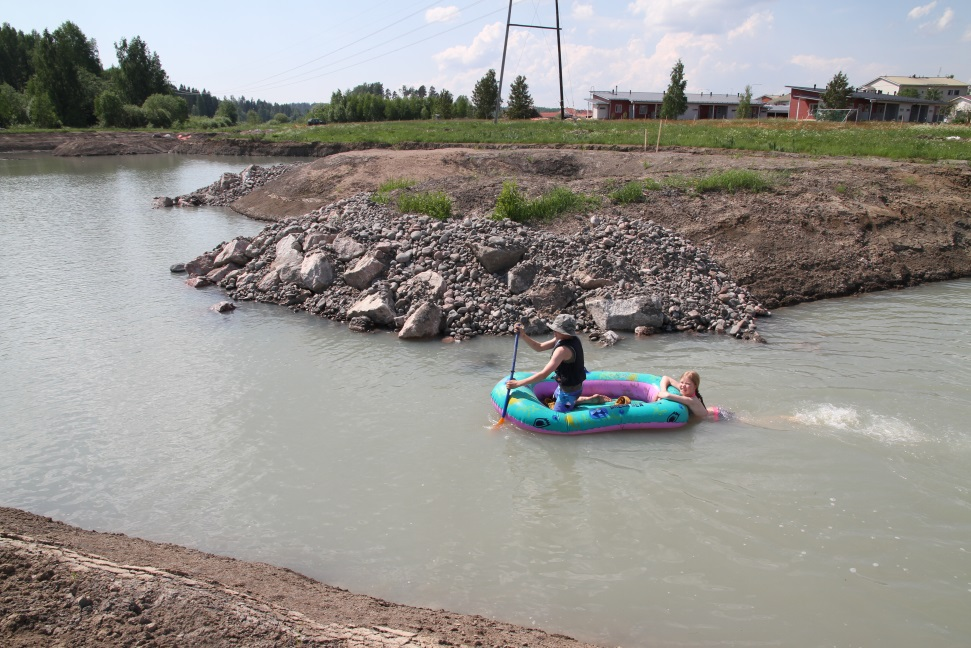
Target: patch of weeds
(910, 180)
(841, 188)
(632, 192)
(513, 205)
(431, 203)
(734, 180)
(383, 195)
(650, 184)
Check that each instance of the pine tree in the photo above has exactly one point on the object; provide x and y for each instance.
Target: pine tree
(745, 104)
(485, 95)
(837, 94)
(675, 102)
(520, 103)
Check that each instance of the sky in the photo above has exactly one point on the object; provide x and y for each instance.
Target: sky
(302, 51)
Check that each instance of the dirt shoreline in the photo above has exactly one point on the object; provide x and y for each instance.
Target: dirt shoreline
(61, 585)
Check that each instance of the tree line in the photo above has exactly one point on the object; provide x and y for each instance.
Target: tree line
(374, 102)
(55, 79)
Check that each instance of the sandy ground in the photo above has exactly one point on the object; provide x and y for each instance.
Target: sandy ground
(828, 227)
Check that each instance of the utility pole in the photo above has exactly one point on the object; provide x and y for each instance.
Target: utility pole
(505, 45)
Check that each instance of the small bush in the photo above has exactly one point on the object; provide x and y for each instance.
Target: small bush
(513, 205)
(632, 192)
(432, 203)
(383, 195)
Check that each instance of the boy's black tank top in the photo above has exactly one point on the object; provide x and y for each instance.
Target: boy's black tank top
(571, 373)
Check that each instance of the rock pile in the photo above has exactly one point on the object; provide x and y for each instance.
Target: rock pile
(229, 187)
(363, 263)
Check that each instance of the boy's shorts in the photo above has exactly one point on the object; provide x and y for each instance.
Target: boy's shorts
(565, 401)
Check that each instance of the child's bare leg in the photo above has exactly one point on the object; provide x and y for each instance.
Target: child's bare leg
(595, 399)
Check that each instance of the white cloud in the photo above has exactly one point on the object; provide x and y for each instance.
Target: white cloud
(695, 16)
(920, 12)
(945, 20)
(482, 45)
(967, 35)
(582, 11)
(441, 14)
(752, 26)
(815, 63)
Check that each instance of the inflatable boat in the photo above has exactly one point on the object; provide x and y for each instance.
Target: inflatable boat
(527, 408)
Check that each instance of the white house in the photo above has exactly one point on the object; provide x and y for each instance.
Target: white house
(611, 104)
(960, 104)
(948, 86)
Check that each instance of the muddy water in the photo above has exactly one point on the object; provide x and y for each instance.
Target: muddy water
(836, 511)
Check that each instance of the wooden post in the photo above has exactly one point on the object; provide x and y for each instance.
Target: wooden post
(645, 139)
(658, 145)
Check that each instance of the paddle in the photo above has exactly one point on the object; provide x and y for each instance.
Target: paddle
(512, 373)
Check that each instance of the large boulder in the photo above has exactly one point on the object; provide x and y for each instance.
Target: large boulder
(289, 258)
(347, 248)
(377, 308)
(233, 252)
(425, 322)
(316, 272)
(625, 314)
(429, 284)
(201, 265)
(521, 278)
(365, 271)
(498, 259)
(551, 296)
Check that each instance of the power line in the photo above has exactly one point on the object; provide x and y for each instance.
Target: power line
(310, 74)
(373, 58)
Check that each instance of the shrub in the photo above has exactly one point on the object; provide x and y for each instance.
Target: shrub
(110, 109)
(164, 110)
(134, 117)
(632, 192)
(513, 205)
(383, 195)
(432, 203)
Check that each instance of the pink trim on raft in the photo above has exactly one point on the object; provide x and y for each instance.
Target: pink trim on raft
(613, 388)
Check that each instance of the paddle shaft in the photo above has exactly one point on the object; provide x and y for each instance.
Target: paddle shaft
(512, 374)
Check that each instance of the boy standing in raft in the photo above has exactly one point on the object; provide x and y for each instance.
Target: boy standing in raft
(566, 360)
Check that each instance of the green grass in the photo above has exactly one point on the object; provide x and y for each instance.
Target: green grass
(879, 139)
(383, 195)
(432, 203)
(891, 140)
(513, 205)
(632, 192)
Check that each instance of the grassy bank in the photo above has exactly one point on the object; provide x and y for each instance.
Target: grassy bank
(899, 141)
(890, 140)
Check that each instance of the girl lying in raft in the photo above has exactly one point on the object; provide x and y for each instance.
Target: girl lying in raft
(688, 395)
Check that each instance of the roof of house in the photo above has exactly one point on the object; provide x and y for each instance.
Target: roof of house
(658, 97)
(874, 96)
(916, 80)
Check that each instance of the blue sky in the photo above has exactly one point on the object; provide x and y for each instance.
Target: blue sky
(303, 51)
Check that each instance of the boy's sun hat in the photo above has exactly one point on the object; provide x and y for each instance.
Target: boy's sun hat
(565, 324)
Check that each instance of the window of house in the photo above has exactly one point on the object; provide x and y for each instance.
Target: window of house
(642, 110)
(618, 108)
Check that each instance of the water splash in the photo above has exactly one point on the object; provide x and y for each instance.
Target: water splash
(886, 429)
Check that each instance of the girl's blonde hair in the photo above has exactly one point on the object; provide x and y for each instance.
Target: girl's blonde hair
(693, 377)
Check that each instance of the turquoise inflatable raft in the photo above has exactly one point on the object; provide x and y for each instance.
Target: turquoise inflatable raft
(528, 411)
